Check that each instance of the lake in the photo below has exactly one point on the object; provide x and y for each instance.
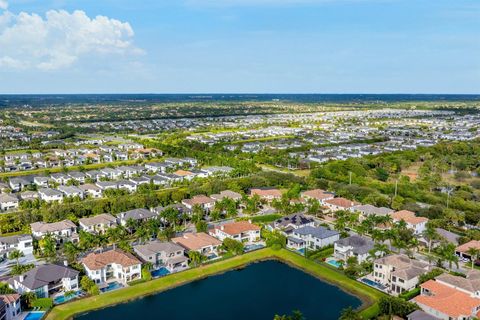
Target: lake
(258, 291)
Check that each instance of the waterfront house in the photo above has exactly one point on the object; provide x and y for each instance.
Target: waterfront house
(200, 242)
(167, 255)
(353, 246)
(243, 231)
(312, 238)
(398, 273)
(98, 224)
(112, 265)
(13, 306)
(45, 280)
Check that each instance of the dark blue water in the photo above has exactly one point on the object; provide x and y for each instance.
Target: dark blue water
(146, 99)
(257, 292)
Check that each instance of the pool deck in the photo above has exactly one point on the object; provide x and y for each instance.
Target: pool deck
(368, 295)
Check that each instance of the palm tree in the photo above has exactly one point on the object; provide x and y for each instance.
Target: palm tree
(473, 253)
(430, 233)
(70, 251)
(447, 252)
(16, 255)
(196, 258)
(350, 314)
(379, 249)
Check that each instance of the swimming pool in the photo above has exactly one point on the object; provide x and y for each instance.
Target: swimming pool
(112, 286)
(251, 247)
(160, 272)
(34, 315)
(62, 299)
(301, 251)
(334, 263)
(372, 283)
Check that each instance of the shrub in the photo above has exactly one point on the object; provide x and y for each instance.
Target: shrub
(408, 295)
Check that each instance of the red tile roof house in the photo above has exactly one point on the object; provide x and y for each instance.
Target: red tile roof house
(243, 231)
(337, 204)
(462, 250)
(112, 265)
(12, 304)
(317, 194)
(200, 242)
(268, 194)
(451, 297)
(205, 202)
(417, 224)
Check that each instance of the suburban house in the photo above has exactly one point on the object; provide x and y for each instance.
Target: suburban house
(226, 194)
(366, 210)
(140, 215)
(414, 223)
(337, 204)
(98, 224)
(267, 194)
(12, 305)
(200, 242)
(50, 195)
(398, 272)
(450, 297)
(205, 202)
(22, 243)
(8, 202)
(91, 190)
(317, 194)
(312, 238)
(291, 222)
(462, 250)
(243, 231)
(112, 265)
(61, 230)
(45, 280)
(71, 191)
(163, 254)
(353, 246)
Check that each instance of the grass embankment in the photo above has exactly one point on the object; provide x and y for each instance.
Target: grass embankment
(368, 295)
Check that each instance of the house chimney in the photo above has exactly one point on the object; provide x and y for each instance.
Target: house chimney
(65, 263)
(222, 227)
(249, 220)
(21, 278)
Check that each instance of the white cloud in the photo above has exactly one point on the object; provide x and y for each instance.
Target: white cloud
(60, 39)
(3, 5)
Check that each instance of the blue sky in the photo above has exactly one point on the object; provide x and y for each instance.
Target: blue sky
(287, 46)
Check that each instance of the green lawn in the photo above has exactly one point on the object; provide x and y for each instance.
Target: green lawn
(368, 295)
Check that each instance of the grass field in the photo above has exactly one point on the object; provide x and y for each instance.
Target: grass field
(368, 295)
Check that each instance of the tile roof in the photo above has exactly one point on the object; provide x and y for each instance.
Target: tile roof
(266, 192)
(10, 298)
(44, 227)
(317, 232)
(103, 218)
(96, 261)
(341, 202)
(44, 274)
(471, 244)
(408, 217)
(238, 227)
(447, 300)
(195, 241)
(318, 194)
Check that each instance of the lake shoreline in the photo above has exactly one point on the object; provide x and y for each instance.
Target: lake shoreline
(82, 306)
